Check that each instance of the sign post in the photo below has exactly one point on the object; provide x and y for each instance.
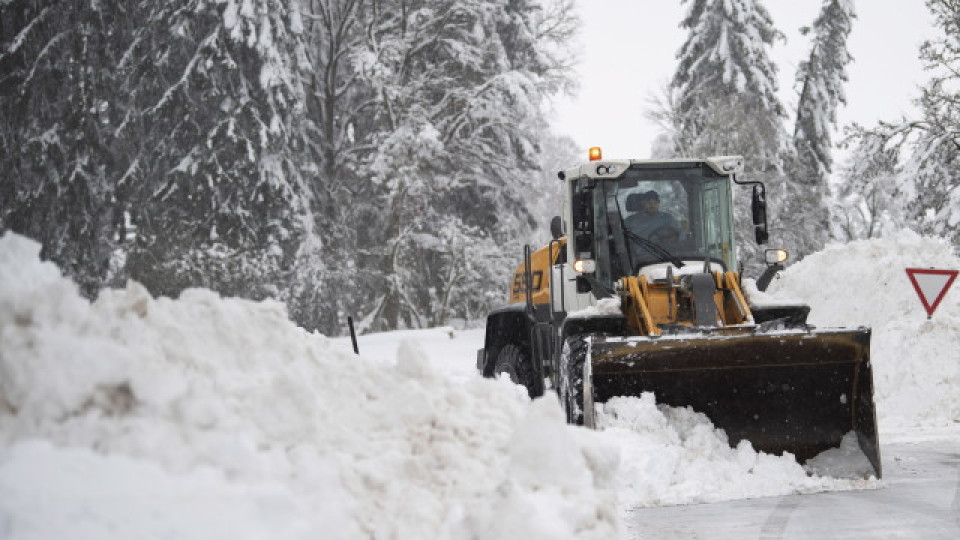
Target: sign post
(931, 285)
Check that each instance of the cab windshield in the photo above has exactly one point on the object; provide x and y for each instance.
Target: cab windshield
(671, 214)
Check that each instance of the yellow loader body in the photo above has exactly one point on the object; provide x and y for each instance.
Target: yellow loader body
(796, 390)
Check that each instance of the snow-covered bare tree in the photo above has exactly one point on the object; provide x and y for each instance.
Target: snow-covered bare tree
(934, 195)
(556, 154)
(664, 111)
(927, 186)
(865, 205)
(724, 95)
(821, 78)
(336, 137)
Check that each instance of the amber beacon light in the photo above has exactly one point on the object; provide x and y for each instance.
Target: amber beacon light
(596, 153)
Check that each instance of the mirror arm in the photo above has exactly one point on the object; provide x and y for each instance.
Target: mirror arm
(763, 188)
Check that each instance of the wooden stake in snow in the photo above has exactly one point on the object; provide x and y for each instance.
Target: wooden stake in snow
(353, 335)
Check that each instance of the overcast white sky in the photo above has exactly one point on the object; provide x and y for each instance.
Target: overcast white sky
(628, 52)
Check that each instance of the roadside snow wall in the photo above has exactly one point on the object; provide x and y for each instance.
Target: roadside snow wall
(206, 417)
(203, 417)
(916, 362)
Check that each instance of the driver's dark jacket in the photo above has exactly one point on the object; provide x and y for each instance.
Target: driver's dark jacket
(643, 224)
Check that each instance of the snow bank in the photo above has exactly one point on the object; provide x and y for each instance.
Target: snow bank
(676, 456)
(916, 362)
(204, 417)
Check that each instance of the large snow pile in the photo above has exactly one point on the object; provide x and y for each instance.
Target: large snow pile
(207, 417)
(202, 417)
(916, 362)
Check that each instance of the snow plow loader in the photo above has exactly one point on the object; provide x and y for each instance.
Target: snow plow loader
(640, 290)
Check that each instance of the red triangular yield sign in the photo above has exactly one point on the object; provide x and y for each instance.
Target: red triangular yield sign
(931, 285)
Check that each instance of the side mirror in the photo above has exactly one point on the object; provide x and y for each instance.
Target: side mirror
(556, 227)
(759, 207)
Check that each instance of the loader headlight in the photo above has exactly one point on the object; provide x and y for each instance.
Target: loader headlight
(732, 165)
(726, 165)
(607, 169)
(585, 266)
(776, 256)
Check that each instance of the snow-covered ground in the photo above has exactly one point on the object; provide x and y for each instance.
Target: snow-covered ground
(920, 500)
(206, 417)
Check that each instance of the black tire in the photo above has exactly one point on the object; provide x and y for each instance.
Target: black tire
(514, 363)
(572, 358)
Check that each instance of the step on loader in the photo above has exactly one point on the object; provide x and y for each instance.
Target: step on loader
(640, 291)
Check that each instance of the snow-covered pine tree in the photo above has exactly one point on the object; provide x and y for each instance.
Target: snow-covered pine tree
(821, 78)
(60, 105)
(213, 173)
(726, 83)
(725, 94)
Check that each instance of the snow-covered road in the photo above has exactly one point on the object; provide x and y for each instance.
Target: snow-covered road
(920, 499)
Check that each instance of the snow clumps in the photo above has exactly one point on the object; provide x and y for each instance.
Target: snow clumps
(674, 455)
(205, 417)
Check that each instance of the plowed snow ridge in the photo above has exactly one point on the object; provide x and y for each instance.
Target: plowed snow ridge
(223, 415)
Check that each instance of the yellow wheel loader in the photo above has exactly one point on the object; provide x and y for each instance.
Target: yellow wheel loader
(640, 291)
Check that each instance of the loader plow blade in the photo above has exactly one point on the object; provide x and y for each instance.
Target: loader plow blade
(787, 391)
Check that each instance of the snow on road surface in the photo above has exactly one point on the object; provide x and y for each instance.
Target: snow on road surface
(920, 500)
(206, 417)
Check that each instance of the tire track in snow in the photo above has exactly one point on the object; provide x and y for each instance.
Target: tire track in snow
(956, 501)
(776, 523)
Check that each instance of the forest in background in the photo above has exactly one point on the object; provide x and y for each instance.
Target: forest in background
(723, 99)
(387, 159)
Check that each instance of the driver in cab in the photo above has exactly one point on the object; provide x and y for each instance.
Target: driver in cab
(649, 222)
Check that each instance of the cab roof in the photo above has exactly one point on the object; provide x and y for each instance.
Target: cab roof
(613, 168)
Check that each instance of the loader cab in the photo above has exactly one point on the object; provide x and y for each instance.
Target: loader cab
(696, 201)
(611, 231)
